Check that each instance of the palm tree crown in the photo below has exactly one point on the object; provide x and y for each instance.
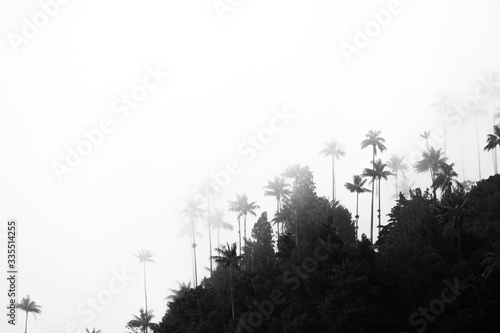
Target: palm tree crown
(28, 305)
(334, 150)
(279, 189)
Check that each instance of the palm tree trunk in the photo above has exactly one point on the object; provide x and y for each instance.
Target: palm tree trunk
(379, 205)
(373, 193)
(444, 128)
(239, 232)
(194, 256)
(333, 178)
(26, 323)
(245, 227)
(209, 233)
(145, 292)
(478, 151)
(462, 155)
(396, 184)
(277, 211)
(357, 215)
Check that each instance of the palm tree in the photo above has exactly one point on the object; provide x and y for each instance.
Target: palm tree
(279, 189)
(405, 186)
(493, 86)
(377, 173)
(208, 191)
(443, 106)
(492, 262)
(179, 293)
(187, 230)
(228, 258)
(453, 209)
(217, 219)
(373, 139)
(143, 321)
(431, 160)
(29, 306)
(493, 141)
(144, 257)
(357, 186)
(243, 208)
(426, 135)
(292, 171)
(396, 163)
(445, 178)
(334, 150)
(93, 330)
(193, 211)
(477, 112)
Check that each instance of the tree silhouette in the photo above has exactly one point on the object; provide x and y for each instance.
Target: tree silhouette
(445, 178)
(93, 330)
(242, 207)
(377, 173)
(279, 189)
(142, 321)
(396, 163)
(193, 212)
(208, 191)
(217, 220)
(373, 139)
(357, 186)
(443, 106)
(493, 141)
(334, 150)
(29, 306)
(179, 293)
(431, 160)
(144, 257)
(187, 230)
(228, 258)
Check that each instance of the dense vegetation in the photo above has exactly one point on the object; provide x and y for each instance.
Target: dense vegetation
(434, 268)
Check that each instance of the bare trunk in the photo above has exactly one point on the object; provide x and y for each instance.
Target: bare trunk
(209, 233)
(357, 215)
(478, 149)
(373, 193)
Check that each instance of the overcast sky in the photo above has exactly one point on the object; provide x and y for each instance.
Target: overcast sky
(203, 81)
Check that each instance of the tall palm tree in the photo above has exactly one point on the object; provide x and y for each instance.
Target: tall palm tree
(377, 173)
(334, 150)
(217, 219)
(477, 112)
(443, 106)
(93, 330)
(208, 191)
(243, 208)
(431, 160)
(187, 230)
(279, 189)
(193, 212)
(397, 164)
(228, 258)
(426, 135)
(179, 293)
(493, 141)
(29, 306)
(144, 257)
(494, 88)
(445, 178)
(357, 186)
(373, 139)
(142, 321)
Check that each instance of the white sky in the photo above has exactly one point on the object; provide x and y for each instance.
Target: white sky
(225, 79)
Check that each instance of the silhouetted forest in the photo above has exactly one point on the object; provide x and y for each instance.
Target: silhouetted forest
(434, 268)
